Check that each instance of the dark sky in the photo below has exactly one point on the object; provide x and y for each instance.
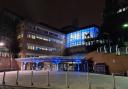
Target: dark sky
(57, 13)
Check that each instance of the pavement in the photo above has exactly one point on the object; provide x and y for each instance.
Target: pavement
(17, 87)
(63, 80)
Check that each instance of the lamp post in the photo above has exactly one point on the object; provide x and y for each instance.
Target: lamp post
(113, 76)
(2, 44)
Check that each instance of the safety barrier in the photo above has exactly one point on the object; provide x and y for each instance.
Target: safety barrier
(63, 80)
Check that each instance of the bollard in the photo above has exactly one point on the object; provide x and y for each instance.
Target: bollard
(67, 83)
(110, 49)
(17, 77)
(100, 49)
(89, 83)
(3, 78)
(32, 78)
(114, 83)
(48, 79)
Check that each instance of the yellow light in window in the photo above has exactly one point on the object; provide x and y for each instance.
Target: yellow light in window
(20, 36)
(33, 37)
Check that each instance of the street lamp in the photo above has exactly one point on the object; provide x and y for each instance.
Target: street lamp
(2, 44)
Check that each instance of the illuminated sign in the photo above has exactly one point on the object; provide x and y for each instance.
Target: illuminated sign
(79, 37)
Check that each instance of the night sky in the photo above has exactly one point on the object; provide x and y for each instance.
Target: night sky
(57, 13)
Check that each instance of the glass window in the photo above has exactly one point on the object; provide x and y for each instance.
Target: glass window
(39, 37)
(78, 37)
(20, 36)
(33, 37)
(28, 35)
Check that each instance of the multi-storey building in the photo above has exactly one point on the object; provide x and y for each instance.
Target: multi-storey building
(115, 24)
(8, 23)
(7, 61)
(8, 42)
(42, 45)
(39, 40)
(115, 18)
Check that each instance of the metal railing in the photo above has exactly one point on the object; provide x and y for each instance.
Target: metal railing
(113, 49)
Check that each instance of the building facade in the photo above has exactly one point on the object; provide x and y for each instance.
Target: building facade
(114, 53)
(7, 61)
(37, 40)
(41, 46)
(8, 41)
(78, 41)
(8, 23)
(115, 18)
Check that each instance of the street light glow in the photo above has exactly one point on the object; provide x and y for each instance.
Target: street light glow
(125, 25)
(2, 44)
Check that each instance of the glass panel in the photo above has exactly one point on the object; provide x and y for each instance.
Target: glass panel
(77, 38)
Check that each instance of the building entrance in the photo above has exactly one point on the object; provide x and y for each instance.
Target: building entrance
(54, 63)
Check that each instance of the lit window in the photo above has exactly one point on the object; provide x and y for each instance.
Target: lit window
(43, 48)
(33, 47)
(77, 38)
(124, 9)
(38, 48)
(20, 36)
(30, 47)
(33, 36)
(45, 39)
(46, 48)
(39, 37)
(29, 36)
(120, 10)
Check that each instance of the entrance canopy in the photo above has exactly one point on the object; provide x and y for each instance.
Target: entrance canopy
(74, 58)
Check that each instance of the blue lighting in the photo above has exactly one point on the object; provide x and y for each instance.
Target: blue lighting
(25, 62)
(36, 61)
(56, 61)
(78, 61)
(38, 49)
(78, 38)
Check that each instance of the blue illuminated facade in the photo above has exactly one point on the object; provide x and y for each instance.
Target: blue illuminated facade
(79, 37)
